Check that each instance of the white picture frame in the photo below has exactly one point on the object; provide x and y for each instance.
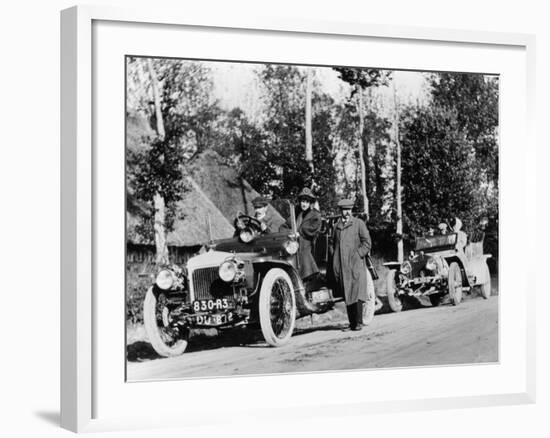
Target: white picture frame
(83, 369)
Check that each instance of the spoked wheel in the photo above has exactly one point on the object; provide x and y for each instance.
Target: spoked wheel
(166, 337)
(395, 303)
(485, 288)
(455, 283)
(277, 307)
(370, 305)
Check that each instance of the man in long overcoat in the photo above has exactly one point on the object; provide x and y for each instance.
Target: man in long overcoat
(350, 245)
(308, 224)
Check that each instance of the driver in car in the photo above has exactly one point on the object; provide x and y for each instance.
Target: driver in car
(268, 222)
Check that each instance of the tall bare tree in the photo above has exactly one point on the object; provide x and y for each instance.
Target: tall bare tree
(309, 143)
(361, 152)
(159, 226)
(361, 79)
(398, 190)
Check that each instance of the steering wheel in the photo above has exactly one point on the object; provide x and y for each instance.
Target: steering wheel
(248, 222)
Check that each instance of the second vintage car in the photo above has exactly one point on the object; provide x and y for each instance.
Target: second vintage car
(437, 269)
(249, 280)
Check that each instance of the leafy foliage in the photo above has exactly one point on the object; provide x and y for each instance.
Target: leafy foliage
(440, 179)
(474, 100)
(285, 170)
(188, 113)
(363, 78)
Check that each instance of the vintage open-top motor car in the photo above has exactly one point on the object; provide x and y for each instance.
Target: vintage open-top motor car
(250, 279)
(437, 268)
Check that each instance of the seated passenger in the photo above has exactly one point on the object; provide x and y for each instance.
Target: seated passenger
(308, 225)
(462, 237)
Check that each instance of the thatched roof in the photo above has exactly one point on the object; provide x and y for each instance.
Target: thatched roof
(191, 223)
(224, 188)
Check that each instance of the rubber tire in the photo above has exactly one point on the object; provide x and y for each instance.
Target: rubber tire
(455, 275)
(396, 305)
(153, 331)
(264, 308)
(485, 288)
(370, 305)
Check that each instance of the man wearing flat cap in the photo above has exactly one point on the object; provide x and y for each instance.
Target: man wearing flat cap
(308, 225)
(350, 245)
(268, 222)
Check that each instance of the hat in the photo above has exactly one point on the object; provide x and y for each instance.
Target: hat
(346, 204)
(307, 193)
(442, 226)
(259, 201)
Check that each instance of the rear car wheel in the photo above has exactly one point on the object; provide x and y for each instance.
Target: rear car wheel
(165, 337)
(277, 307)
(370, 305)
(455, 283)
(485, 288)
(394, 301)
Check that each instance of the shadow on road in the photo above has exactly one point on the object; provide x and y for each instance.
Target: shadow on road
(250, 338)
(141, 350)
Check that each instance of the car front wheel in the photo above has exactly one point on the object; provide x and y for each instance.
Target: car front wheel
(455, 283)
(370, 305)
(393, 298)
(165, 337)
(277, 307)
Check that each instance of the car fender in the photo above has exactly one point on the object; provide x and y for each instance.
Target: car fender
(478, 268)
(303, 307)
(462, 264)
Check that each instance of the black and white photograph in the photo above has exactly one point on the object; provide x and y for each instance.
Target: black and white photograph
(287, 218)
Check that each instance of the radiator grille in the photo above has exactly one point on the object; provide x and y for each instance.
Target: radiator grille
(208, 285)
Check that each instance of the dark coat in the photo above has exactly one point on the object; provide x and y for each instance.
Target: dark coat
(351, 243)
(308, 226)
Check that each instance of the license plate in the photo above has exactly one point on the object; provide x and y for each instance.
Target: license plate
(211, 305)
(215, 319)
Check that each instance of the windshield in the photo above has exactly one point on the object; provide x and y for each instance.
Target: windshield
(432, 242)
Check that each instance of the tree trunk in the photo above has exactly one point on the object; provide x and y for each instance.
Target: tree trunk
(159, 225)
(399, 227)
(161, 246)
(361, 150)
(309, 142)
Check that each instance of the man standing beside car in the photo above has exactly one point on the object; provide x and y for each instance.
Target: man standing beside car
(308, 225)
(351, 244)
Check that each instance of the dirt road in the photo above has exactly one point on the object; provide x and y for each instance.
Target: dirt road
(467, 333)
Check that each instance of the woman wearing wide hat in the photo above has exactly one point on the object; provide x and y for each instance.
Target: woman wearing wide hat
(308, 224)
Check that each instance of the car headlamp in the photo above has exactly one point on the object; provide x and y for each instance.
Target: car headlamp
(165, 279)
(431, 265)
(246, 235)
(406, 268)
(291, 247)
(227, 271)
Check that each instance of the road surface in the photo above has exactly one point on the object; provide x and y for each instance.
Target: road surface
(467, 333)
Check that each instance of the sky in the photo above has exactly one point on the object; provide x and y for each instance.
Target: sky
(235, 85)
